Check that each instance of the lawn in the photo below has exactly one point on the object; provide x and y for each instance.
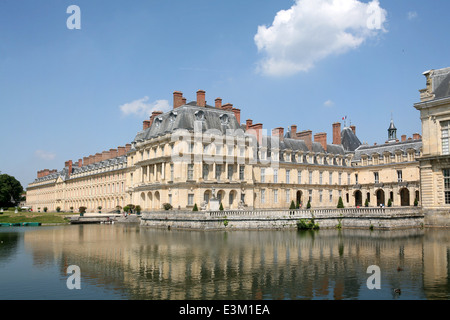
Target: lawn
(42, 217)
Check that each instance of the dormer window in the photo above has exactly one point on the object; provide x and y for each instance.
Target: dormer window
(200, 116)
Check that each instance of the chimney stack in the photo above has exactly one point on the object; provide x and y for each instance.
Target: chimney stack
(256, 129)
(227, 106)
(177, 99)
(80, 163)
(404, 138)
(105, 155)
(322, 139)
(307, 137)
(417, 136)
(278, 132)
(127, 147)
(121, 151)
(146, 124)
(293, 131)
(113, 153)
(337, 133)
(68, 166)
(249, 123)
(237, 114)
(353, 129)
(218, 103)
(98, 157)
(201, 98)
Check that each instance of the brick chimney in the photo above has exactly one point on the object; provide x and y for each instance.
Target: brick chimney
(105, 155)
(293, 131)
(177, 99)
(113, 153)
(127, 147)
(256, 129)
(237, 114)
(417, 136)
(68, 165)
(201, 98)
(278, 132)
(404, 138)
(146, 124)
(353, 129)
(322, 139)
(227, 106)
(337, 133)
(80, 163)
(249, 123)
(98, 157)
(92, 159)
(218, 103)
(307, 137)
(121, 151)
(184, 101)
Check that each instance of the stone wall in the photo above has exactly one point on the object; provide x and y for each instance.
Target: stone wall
(376, 218)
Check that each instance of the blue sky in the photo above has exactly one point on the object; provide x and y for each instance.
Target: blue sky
(66, 94)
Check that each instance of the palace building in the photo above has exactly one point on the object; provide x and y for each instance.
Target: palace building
(194, 152)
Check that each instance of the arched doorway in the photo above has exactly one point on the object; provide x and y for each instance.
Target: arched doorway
(157, 200)
(404, 197)
(142, 202)
(358, 198)
(149, 200)
(299, 200)
(232, 199)
(380, 198)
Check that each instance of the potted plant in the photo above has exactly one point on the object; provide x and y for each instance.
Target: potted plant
(58, 209)
(71, 209)
(167, 206)
(99, 209)
(138, 209)
(82, 211)
(292, 207)
(45, 209)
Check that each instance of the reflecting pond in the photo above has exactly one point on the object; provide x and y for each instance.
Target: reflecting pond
(133, 262)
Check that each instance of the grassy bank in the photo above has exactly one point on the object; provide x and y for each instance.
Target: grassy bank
(44, 218)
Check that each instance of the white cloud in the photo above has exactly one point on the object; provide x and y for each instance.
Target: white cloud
(412, 15)
(142, 107)
(312, 30)
(328, 103)
(45, 155)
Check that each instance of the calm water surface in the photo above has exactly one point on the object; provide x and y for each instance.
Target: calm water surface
(132, 262)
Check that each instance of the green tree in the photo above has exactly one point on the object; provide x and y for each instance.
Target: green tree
(195, 208)
(10, 191)
(340, 203)
(366, 204)
(389, 203)
(293, 206)
(308, 205)
(221, 207)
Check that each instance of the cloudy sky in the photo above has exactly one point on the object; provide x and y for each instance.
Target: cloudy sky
(67, 93)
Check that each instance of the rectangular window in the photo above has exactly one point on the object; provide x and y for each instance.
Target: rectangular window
(263, 175)
(356, 178)
(310, 177)
(320, 177)
(348, 178)
(399, 176)
(190, 173)
(191, 147)
(288, 176)
(171, 172)
(275, 175)
(263, 196)
(446, 173)
(445, 127)
(331, 196)
(241, 172)
(205, 171)
(299, 176)
(310, 196)
(275, 196)
(218, 171)
(230, 171)
(288, 196)
(376, 177)
(170, 198)
(320, 196)
(330, 182)
(190, 199)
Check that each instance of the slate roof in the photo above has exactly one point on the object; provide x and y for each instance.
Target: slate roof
(441, 83)
(392, 148)
(186, 116)
(349, 140)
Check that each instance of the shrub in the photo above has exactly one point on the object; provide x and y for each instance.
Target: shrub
(45, 209)
(81, 209)
(416, 202)
(340, 203)
(389, 203)
(99, 207)
(305, 224)
(167, 206)
(58, 209)
(126, 209)
(138, 209)
(221, 207)
(195, 208)
(366, 204)
(293, 206)
(308, 205)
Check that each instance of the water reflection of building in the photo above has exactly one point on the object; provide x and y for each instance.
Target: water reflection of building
(159, 264)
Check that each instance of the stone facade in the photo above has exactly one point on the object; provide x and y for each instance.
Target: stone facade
(196, 153)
